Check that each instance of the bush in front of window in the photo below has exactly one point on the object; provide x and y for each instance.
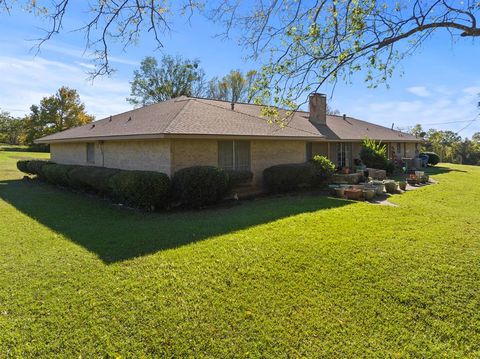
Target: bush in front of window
(200, 185)
(323, 169)
(237, 178)
(90, 178)
(288, 177)
(57, 174)
(143, 189)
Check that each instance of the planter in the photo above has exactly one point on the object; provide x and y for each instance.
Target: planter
(402, 185)
(353, 193)
(340, 192)
(379, 186)
(368, 194)
(390, 186)
(345, 170)
(424, 178)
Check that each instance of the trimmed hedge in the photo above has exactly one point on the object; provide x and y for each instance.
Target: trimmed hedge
(288, 177)
(141, 188)
(23, 166)
(57, 174)
(92, 178)
(200, 185)
(34, 167)
(238, 178)
(433, 158)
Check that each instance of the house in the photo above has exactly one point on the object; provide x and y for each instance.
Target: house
(188, 131)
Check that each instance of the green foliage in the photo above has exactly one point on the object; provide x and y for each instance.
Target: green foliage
(323, 169)
(56, 113)
(173, 77)
(141, 188)
(374, 154)
(11, 129)
(22, 166)
(287, 177)
(200, 185)
(35, 167)
(237, 178)
(234, 87)
(91, 178)
(57, 174)
(433, 158)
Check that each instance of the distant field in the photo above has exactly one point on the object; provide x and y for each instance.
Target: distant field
(292, 276)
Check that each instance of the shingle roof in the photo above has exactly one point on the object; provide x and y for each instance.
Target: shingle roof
(186, 116)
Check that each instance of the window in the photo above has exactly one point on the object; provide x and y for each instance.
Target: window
(399, 149)
(90, 152)
(309, 151)
(234, 155)
(344, 154)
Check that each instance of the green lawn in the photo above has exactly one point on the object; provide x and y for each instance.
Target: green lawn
(293, 276)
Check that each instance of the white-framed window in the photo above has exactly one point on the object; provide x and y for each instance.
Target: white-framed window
(344, 154)
(90, 152)
(234, 155)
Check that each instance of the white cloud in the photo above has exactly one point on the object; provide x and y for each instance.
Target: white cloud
(420, 91)
(26, 80)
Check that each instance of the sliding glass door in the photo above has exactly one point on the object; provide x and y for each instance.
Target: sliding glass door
(344, 154)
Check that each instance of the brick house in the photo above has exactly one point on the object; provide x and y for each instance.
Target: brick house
(188, 131)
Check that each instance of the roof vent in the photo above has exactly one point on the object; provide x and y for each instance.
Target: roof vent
(92, 126)
(232, 106)
(129, 119)
(110, 119)
(344, 117)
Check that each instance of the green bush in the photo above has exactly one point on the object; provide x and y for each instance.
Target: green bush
(23, 166)
(57, 174)
(34, 167)
(200, 185)
(91, 178)
(323, 169)
(374, 154)
(238, 178)
(288, 177)
(141, 188)
(433, 158)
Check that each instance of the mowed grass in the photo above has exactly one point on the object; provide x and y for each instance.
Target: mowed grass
(292, 276)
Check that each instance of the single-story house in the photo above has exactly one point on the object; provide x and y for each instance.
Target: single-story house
(189, 131)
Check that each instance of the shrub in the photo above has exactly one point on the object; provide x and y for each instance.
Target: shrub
(57, 174)
(288, 177)
(323, 169)
(23, 166)
(91, 178)
(200, 185)
(140, 188)
(34, 167)
(433, 158)
(374, 155)
(238, 178)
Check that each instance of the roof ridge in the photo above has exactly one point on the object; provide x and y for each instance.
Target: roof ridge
(187, 101)
(261, 118)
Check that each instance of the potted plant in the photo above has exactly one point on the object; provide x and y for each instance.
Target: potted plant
(380, 186)
(390, 186)
(369, 193)
(353, 193)
(402, 185)
(340, 191)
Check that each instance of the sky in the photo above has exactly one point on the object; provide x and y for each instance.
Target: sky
(437, 87)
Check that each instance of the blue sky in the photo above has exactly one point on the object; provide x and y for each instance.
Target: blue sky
(438, 84)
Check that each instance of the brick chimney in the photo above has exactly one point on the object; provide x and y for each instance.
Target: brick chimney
(318, 108)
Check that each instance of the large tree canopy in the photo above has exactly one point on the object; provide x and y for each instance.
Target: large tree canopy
(56, 113)
(173, 77)
(302, 43)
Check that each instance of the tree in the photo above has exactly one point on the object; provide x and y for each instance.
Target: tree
(11, 129)
(55, 113)
(234, 87)
(417, 131)
(171, 78)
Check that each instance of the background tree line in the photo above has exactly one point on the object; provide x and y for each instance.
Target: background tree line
(450, 146)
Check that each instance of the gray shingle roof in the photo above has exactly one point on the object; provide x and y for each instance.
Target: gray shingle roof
(186, 116)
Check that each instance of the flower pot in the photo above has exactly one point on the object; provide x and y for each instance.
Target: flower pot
(353, 193)
(345, 170)
(402, 185)
(340, 191)
(379, 187)
(368, 194)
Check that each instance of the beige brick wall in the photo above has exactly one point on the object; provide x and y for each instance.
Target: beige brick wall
(320, 148)
(193, 152)
(147, 155)
(266, 153)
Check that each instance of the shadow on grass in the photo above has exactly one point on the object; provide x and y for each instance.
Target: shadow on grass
(116, 234)
(438, 170)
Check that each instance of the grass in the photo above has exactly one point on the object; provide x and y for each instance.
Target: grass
(288, 276)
